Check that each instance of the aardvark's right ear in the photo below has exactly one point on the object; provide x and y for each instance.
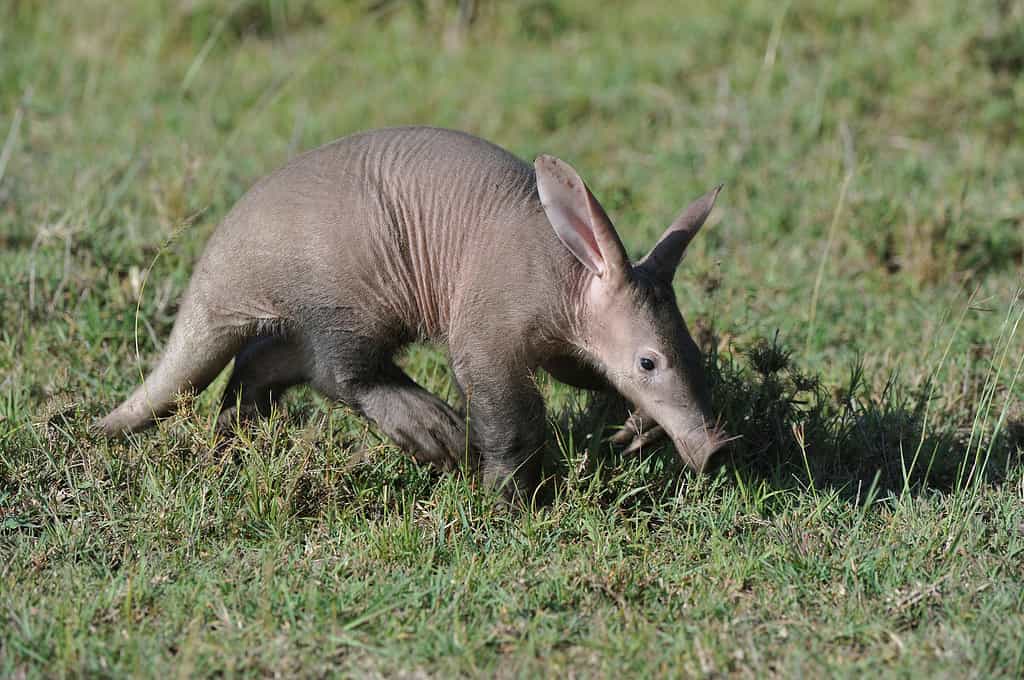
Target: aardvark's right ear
(668, 251)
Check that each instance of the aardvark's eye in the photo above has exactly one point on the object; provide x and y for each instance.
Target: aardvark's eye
(646, 363)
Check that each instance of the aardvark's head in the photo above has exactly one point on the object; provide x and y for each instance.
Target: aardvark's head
(630, 327)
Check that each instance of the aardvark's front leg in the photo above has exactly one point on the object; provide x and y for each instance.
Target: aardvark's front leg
(507, 425)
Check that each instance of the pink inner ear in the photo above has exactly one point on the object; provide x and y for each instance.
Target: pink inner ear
(574, 230)
(584, 230)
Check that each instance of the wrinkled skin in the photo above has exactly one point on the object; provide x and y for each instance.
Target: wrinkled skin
(329, 266)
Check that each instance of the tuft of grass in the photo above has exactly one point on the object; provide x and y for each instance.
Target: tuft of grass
(862, 337)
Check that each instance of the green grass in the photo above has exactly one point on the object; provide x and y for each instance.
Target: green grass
(858, 292)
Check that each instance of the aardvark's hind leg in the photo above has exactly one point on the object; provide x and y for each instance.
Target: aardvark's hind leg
(264, 368)
(420, 423)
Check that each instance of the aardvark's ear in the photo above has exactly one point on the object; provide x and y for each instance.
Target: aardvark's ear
(668, 251)
(579, 220)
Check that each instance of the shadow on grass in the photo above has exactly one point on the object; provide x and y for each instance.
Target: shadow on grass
(794, 433)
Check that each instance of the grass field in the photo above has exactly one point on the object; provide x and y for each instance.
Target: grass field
(857, 290)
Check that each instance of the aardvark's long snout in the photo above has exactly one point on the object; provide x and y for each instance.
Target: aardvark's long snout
(699, 445)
